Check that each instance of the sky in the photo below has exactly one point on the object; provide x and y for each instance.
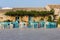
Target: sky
(27, 3)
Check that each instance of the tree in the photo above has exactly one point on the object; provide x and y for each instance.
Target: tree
(59, 20)
(52, 11)
(29, 13)
(10, 13)
(49, 19)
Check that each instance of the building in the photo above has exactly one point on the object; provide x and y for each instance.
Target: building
(4, 10)
(56, 9)
(47, 8)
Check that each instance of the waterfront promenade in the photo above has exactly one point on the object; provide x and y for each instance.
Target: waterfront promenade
(30, 34)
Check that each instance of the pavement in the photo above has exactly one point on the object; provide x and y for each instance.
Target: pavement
(30, 34)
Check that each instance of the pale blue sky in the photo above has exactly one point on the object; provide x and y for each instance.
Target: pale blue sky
(27, 3)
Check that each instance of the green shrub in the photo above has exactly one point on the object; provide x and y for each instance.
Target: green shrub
(59, 20)
(49, 19)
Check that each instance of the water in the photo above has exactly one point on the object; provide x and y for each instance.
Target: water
(22, 25)
(42, 23)
(15, 25)
(51, 25)
(6, 25)
(35, 25)
(30, 25)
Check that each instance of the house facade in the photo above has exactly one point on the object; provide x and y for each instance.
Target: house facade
(56, 9)
(3, 17)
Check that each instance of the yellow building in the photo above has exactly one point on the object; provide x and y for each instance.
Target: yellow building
(56, 9)
(4, 10)
(25, 18)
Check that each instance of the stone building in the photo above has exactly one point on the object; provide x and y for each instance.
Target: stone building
(25, 18)
(56, 9)
(47, 8)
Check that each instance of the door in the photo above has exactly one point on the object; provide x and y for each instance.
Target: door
(17, 19)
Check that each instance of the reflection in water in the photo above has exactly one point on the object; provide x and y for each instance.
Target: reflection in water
(42, 24)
